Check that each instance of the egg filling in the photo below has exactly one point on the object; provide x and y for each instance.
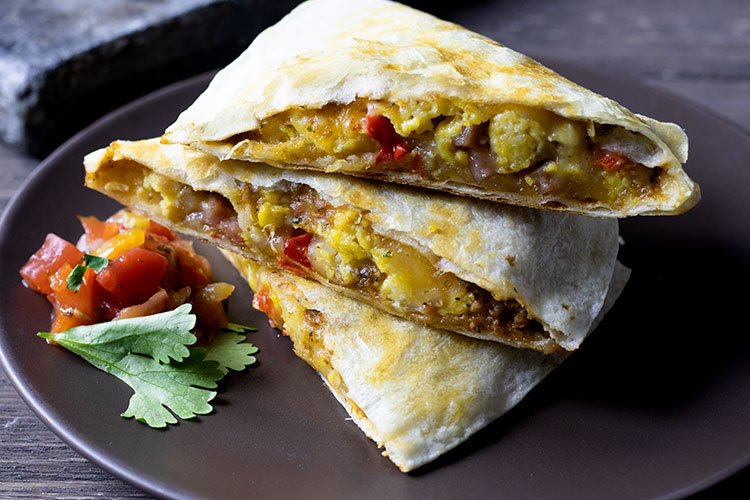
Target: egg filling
(291, 226)
(526, 152)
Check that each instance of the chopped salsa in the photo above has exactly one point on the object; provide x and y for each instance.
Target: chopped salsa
(142, 268)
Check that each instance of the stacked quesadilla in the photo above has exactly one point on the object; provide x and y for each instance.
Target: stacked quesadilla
(413, 204)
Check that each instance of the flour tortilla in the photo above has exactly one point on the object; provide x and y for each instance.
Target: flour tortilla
(416, 391)
(557, 265)
(337, 51)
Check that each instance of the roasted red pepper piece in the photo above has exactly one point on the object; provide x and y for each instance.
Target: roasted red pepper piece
(393, 147)
(611, 162)
(295, 257)
(262, 302)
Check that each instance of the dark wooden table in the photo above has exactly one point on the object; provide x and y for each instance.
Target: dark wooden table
(693, 48)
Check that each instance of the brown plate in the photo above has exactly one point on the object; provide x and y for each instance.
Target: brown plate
(655, 404)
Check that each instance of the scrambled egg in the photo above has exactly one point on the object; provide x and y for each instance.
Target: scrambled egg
(346, 250)
(298, 134)
(270, 212)
(517, 136)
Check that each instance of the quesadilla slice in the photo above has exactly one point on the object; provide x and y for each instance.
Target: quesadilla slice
(416, 391)
(376, 89)
(529, 278)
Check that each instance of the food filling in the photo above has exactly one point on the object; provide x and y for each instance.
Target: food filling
(505, 148)
(296, 229)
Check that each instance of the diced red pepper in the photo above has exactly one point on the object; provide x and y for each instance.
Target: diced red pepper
(393, 147)
(296, 248)
(134, 276)
(262, 302)
(295, 257)
(47, 260)
(611, 162)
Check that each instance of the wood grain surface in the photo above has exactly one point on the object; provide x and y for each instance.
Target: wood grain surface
(697, 49)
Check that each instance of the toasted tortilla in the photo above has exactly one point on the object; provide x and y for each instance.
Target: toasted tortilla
(285, 101)
(416, 391)
(555, 267)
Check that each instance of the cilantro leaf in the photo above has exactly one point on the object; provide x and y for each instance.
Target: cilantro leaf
(161, 336)
(229, 351)
(158, 386)
(95, 262)
(150, 354)
(131, 349)
(173, 385)
(75, 278)
(236, 327)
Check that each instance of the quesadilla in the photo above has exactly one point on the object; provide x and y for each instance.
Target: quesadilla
(416, 391)
(376, 89)
(526, 277)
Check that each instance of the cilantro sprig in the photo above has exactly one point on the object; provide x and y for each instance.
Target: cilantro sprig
(151, 355)
(75, 278)
(231, 352)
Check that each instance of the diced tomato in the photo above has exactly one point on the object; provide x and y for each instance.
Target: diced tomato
(156, 228)
(150, 270)
(47, 260)
(393, 147)
(611, 162)
(262, 301)
(134, 276)
(85, 300)
(73, 308)
(109, 305)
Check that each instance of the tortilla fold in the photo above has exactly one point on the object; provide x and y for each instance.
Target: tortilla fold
(416, 391)
(463, 114)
